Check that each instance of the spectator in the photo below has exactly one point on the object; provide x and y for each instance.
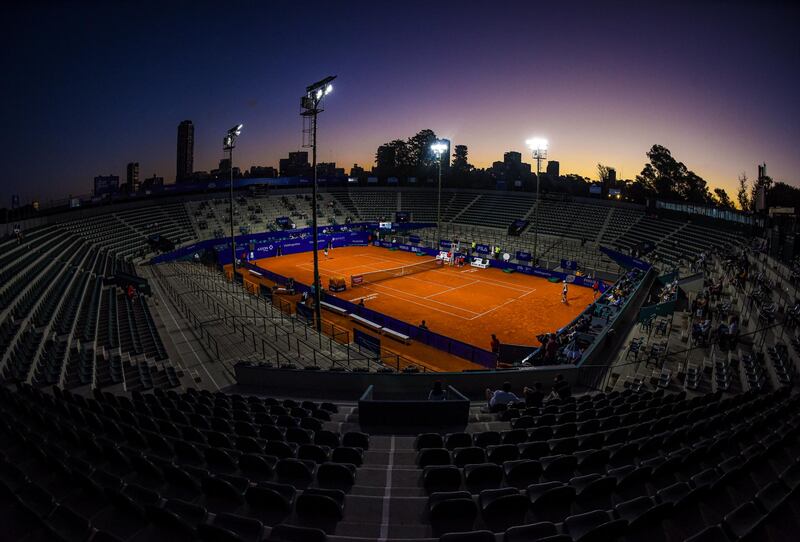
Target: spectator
(534, 397)
(500, 397)
(437, 393)
(495, 343)
(423, 325)
(550, 349)
(561, 387)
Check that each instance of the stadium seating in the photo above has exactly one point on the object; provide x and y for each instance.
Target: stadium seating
(192, 465)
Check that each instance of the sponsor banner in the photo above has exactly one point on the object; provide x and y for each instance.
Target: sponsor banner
(628, 262)
(356, 279)
(445, 243)
(343, 235)
(572, 265)
(524, 256)
(483, 249)
(413, 239)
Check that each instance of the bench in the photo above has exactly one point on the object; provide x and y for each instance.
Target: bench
(333, 308)
(364, 322)
(480, 263)
(396, 335)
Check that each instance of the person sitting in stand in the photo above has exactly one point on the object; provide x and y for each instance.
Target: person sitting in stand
(534, 397)
(437, 393)
(561, 388)
(500, 398)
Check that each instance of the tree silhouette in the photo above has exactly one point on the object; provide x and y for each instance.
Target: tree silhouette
(743, 195)
(460, 165)
(723, 200)
(766, 183)
(602, 172)
(665, 177)
(412, 157)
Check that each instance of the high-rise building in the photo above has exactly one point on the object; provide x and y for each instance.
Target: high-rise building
(612, 176)
(513, 166)
(762, 170)
(185, 165)
(328, 170)
(263, 171)
(152, 182)
(553, 169)
(132, 176)
(512, 157)
(106, 184)
(356, 171)
(296, 165)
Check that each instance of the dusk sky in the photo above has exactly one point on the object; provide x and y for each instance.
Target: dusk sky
(90, 86)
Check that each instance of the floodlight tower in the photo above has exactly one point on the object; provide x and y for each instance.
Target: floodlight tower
(438, 148)
(538, 146)
(228, 143)
(310, 103)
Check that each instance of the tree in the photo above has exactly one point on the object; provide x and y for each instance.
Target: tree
(419, 150)
(764, 182)
(460, 165)
(602, 172)
(743, 195)
(723, 200)
(783, 195)
(665, 177)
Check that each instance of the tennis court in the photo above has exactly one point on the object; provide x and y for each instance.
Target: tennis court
(466, 303)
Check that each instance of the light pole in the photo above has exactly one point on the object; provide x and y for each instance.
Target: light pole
(438, 148)
(228, 143)
(310, 103)
(538, 146)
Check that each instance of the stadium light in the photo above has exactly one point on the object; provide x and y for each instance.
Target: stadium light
(438, 148)
(228, 144)
(538, 146)
(310, 103)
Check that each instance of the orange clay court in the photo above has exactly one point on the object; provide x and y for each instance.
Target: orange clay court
(466, 303)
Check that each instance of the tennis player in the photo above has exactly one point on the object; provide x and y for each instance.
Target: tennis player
(564, 292)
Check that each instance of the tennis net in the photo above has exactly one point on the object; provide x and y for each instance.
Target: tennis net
(403, 270)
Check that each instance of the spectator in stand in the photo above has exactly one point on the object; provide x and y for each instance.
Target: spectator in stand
(550, 349)
(534, 397)
(561, 388)
(437, 393)
(423, 325)
(501, 397)
(495, 344)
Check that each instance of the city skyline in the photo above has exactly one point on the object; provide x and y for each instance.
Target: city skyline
(721, 101)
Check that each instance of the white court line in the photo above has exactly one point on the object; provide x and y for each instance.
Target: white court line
(376, 284)
(365, 297)
(451, 289)
(500, 283)
(502, 305)
(424, 305)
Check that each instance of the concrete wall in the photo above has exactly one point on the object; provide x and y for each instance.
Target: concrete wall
(344, 386)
